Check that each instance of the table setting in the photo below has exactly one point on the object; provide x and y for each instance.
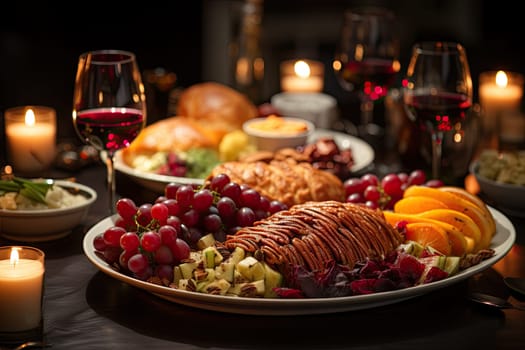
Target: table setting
(232, 223)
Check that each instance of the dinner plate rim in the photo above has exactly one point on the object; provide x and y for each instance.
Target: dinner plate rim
(363, 155)
(268, 306)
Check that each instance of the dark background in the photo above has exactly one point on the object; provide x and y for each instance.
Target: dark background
(40, 42)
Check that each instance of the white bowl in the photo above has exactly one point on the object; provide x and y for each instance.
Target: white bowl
(509, 198)
(37, 225)
(273, 140)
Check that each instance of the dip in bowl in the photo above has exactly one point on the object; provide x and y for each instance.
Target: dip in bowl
(273, 133)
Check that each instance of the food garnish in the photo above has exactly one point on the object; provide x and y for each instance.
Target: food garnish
(33, 190)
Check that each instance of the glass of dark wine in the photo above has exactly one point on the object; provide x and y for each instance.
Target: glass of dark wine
(437, 93)
(367, 59)
(109, 105)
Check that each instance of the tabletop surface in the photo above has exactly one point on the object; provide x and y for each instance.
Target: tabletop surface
(86, 309)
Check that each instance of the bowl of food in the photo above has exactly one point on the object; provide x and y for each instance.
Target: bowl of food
(501, 179)
(272, 133)
(43, 209)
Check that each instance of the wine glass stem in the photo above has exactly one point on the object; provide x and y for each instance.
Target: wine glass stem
(367, 111)
(111, 182)
(437, 143)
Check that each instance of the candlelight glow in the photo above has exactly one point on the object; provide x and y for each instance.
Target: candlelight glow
(501, 79)
(14, 257)
(302, 69)
(30, 117)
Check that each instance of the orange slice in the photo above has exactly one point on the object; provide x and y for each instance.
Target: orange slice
(417, 204)
(428, 234)
(455, 202)
(460, 244)
(458, 191)
(462, 222)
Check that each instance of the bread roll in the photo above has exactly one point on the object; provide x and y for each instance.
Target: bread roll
(216, 106)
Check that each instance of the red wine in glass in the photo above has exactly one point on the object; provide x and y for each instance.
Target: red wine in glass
(372, 76)
(109, 105)
(109, 129)
(438, 111)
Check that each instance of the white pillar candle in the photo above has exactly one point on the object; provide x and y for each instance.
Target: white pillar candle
(21, 285)
(500, 95)
(500, 91)
(302, 76)
(31, 138)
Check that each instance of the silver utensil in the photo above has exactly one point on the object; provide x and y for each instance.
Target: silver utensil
(494, 301)
(28, 345)
(516, 284)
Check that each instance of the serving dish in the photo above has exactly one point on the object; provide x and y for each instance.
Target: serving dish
(37, 225)
(509, 198)
(362, 152)
(501, 243)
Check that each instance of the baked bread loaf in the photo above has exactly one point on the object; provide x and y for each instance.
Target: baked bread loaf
(216, 106)
(286, 179)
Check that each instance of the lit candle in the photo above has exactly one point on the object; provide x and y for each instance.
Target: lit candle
(302, 76)
(31, 138)
(21, 285)
(499, 91)
(500, 95)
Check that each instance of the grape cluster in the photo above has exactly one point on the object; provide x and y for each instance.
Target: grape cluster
(148, 240)
(383, 193)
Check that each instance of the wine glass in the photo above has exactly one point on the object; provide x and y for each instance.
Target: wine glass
(367, 59)
(109, 105)
(438, 93)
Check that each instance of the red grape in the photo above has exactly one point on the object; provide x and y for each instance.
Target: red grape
(112, 236)
(126, 208)
(130, 241)
(150, 241)
(202, 200)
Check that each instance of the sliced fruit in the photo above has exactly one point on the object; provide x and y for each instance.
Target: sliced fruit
(462, 205)
(463, 193)
(251, 268)
(417, 204)
(452, 265)
(459, 243)
(429, 234)
(462, 222)
(431, 262)
(272, 279)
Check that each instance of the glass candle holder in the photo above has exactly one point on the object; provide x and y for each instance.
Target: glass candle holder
(31, 139)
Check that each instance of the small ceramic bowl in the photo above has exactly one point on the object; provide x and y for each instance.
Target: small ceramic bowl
(37, 225)
(273, 133)
(510, 198)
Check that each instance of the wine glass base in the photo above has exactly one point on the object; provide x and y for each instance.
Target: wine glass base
(345, 126)
(373, 134)
(371, 129)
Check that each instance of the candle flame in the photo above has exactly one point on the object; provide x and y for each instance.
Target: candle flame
(501, 79)
(14, 256)
(30, 117)
(302, 69)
